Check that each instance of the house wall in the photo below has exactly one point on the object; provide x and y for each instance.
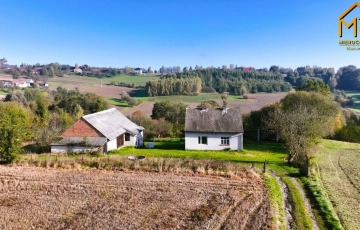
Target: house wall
(133, 138)
(111, 145)
(131, 142)
(69, 149)
(213, 141)
(81, 129)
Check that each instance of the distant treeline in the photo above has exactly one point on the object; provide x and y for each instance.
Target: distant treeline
(233, 81)
(173, 85)
(240, 81)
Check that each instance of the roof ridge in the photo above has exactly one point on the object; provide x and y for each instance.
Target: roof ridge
(97, 113)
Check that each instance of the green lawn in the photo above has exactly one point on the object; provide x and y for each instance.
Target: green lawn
(116, 102)
(355, 95)
(128, 79)
(253, 152)
(136, 79)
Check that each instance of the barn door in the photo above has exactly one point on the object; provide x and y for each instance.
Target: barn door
(120, 140)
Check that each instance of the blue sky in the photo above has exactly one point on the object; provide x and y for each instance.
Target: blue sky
(119, 33)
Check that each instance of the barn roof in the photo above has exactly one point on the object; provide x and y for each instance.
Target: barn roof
(112, 123)
(81, 141)
(214, 120)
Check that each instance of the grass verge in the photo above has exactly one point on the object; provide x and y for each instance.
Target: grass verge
(276, 201)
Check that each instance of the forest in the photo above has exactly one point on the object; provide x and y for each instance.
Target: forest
(241, 81)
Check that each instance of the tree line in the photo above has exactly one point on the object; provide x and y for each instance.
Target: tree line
(173, 85)
(33, 114)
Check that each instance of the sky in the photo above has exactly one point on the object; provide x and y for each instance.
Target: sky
(155, 33)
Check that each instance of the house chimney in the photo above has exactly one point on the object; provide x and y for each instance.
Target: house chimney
(203, 109)
(224, 110)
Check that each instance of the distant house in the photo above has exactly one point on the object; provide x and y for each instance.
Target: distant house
(138, 71)
(213, 129)
(103, 131)
(95, 71)
(6, 83)
(78, 70)
(23, 82)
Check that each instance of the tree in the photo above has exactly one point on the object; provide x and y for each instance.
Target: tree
(15, 73)
(127, 69)
(44, 71)
(243, 90)
(224, 97)
(149, 70)
(304, 118)
(209, 104)
(332, 82)
(315, 86)
(162, 128)
(14, 128)
(224, 67)
(137, 114)
(274, 69)
(42, 121)
(173, 112)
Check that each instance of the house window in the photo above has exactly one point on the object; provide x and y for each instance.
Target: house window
(127, 136)
(225, 141)
(202, 140)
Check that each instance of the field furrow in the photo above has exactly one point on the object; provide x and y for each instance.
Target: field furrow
(32, 197)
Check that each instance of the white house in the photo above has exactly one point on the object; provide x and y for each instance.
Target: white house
(78, 70)
(103, 131)
(138, 71)
(23, 82)
(213, 129)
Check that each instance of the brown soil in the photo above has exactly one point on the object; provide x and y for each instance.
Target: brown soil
(38, 198)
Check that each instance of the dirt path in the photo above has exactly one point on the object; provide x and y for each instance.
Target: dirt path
(286, 201)
(307, 205)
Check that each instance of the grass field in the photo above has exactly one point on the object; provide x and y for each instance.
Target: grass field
(116, 102)
(355, 95)
(138, 80)
(272, 153)
(338, 175)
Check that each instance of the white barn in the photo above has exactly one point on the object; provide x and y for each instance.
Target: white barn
(103, 131)
(213, 129)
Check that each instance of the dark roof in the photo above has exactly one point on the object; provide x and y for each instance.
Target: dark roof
(112, 123)
(214, 120)
(81, 141)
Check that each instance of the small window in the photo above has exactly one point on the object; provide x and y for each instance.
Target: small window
(202, 140)
(225, 141)
(127, 136)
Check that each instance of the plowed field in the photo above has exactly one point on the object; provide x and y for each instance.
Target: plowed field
(39, 198)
